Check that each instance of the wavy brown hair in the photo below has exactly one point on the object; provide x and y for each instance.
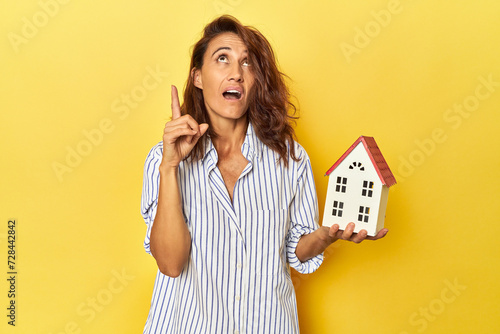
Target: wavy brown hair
(270, 110)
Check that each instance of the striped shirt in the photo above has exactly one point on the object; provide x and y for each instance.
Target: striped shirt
(237, 278)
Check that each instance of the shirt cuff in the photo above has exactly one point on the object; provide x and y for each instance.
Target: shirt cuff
(293, 237)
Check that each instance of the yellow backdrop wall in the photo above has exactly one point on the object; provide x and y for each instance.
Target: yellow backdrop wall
(85, 94)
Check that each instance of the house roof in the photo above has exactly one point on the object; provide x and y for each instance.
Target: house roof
(378, 161)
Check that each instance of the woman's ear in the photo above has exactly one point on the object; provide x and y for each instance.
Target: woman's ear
(197, 78)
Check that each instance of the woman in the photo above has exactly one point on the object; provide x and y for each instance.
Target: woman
(229, 197)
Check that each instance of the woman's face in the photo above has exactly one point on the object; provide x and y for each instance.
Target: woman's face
(226, 78)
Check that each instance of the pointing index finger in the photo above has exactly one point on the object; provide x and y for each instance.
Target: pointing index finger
(176, 108)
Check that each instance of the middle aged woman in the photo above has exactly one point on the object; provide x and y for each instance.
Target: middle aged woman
(229, 197)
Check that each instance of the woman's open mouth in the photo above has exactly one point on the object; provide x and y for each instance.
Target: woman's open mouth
(232, 94)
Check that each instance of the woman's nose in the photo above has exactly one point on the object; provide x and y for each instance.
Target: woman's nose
(236, 73)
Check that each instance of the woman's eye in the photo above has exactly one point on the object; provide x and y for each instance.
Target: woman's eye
(222, 59)
(246, 62)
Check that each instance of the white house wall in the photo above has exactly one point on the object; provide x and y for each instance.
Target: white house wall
(352, 198)
(383, 206)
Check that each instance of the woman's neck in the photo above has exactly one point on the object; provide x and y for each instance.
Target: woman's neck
(230, 136)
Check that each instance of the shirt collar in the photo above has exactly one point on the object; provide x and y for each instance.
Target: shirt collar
(252, 146)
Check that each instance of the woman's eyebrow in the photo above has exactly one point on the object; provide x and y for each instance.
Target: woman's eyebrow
(221, 48)
(225, 48)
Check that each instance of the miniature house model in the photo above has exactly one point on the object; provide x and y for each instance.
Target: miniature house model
(358, 188)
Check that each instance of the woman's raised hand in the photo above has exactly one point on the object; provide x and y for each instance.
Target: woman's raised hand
(180, 134)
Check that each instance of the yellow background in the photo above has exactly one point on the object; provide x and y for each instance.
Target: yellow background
(78, 232)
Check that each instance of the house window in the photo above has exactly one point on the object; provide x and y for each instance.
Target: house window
(341, 184)
(363, 215)
(338, 207)
(357, 165)
(367, 189)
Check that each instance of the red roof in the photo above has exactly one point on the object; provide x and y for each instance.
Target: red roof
(376, 157)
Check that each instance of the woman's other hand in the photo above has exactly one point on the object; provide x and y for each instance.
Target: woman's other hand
(334, 233)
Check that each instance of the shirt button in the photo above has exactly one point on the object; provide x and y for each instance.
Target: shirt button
(237, 297)
(238, 266)
(236, 332)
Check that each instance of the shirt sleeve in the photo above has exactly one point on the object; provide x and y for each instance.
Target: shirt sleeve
(304, 215)
(151, 182)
